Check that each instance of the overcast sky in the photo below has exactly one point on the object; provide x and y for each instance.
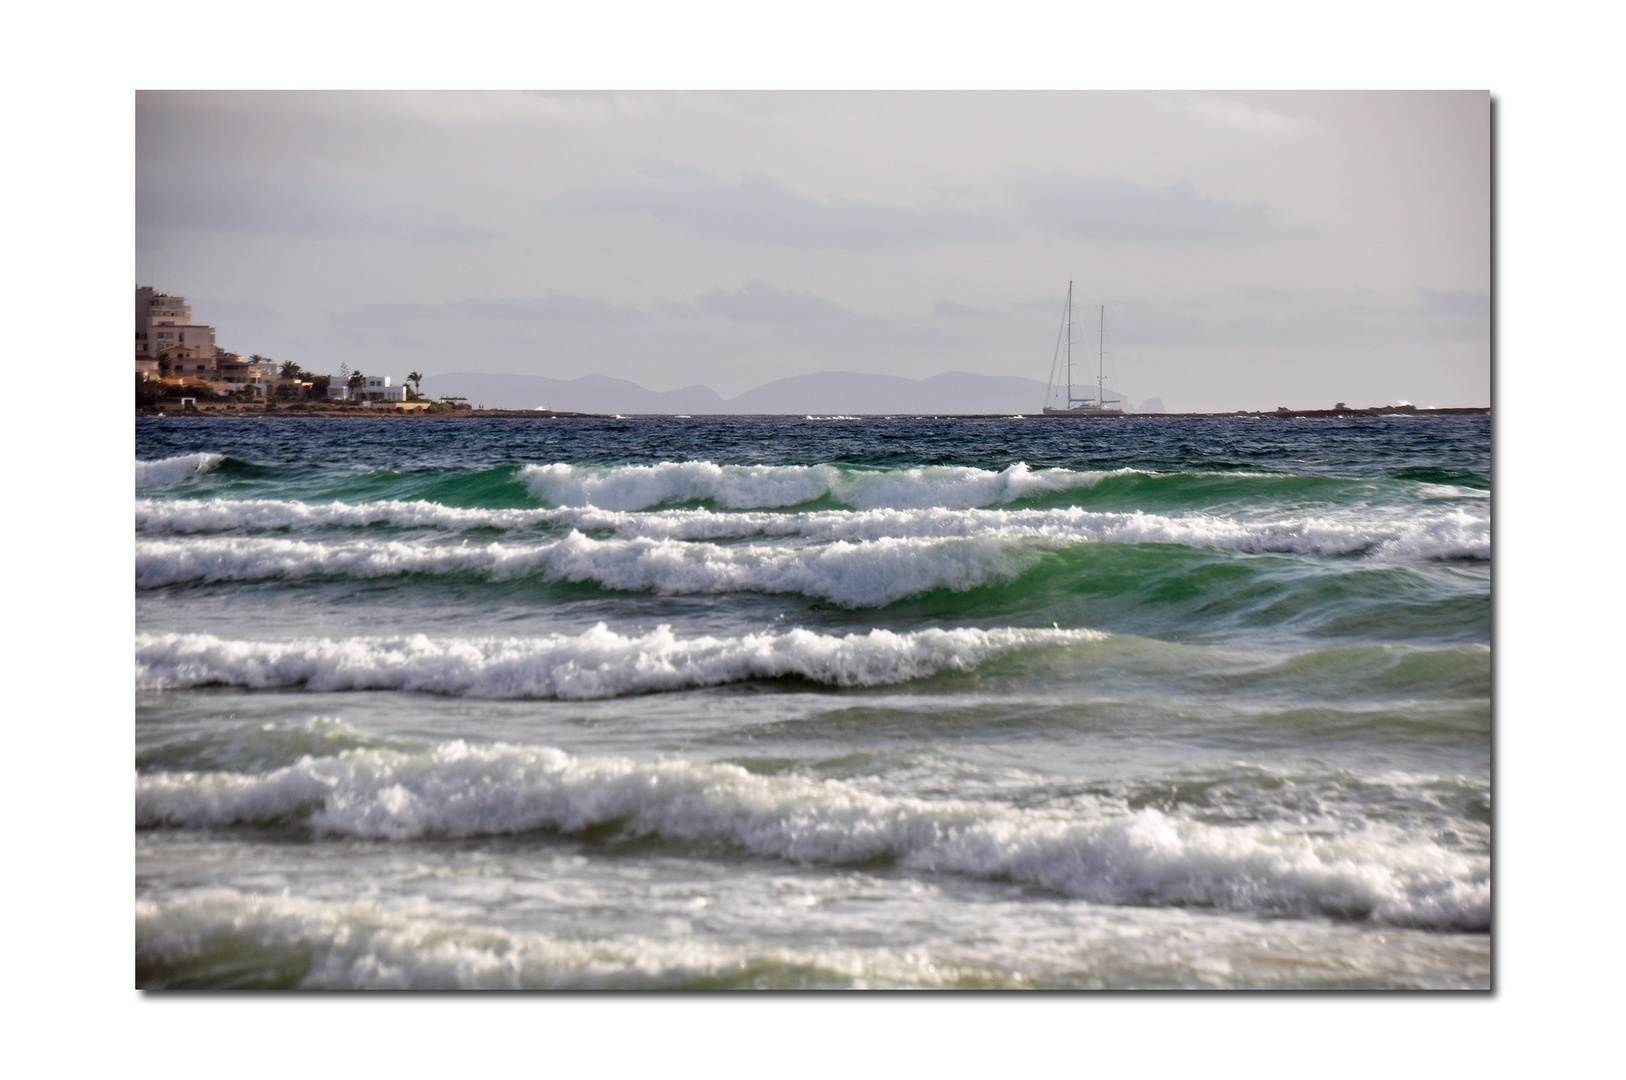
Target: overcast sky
(1251, 249)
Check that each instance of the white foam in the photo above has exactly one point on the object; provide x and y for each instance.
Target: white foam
(328, 945)
(740, 487)
(596, 664)
(1452, 491)
(1417, 534)
(172, 470)
(224, 515)
(634, 487)
(957, 487)
(862, 574)
(1083, 851)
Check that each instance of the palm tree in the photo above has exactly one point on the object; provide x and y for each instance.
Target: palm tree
(356, 379)
(416, 380)
(290, 370)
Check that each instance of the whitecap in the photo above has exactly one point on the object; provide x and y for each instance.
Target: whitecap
(866, 574)
(741, 487)
(1420, 534)
(172, 470)
(323, 944)
(599, 663)
(1138, 857)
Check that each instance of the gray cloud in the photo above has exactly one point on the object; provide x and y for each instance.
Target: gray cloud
(1455, 303)
(552, 309)
(1239, 116)
(760, 302)
(242, 311)
(759, 209)
(257, 205)
(1046, 304)
(955, 310)
(1303, 320)
(1110, 209)
(387, 314)
(1271, 296)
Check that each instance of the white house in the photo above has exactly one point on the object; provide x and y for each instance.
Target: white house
(376, 388)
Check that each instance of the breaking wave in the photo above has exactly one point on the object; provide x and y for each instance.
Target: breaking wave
(866, 574)
(225, 515)
(1414, 536)
(1144, 856)
(743, 487)
(172, 470)
(597, 664)
(222, 937)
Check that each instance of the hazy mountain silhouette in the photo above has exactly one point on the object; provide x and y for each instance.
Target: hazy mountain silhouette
(822, 393)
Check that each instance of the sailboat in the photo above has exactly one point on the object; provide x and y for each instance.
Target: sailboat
(1080, 404)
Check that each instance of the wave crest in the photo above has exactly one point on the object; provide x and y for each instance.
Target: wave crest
(221, 937)
(1138, 857)
(634, 487)
(599, 663)
(1420, 535)
(866, 574)
(743, 487)
(172, 470)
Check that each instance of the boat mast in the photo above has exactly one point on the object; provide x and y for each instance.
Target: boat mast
(1101, 362)
(1069, 344)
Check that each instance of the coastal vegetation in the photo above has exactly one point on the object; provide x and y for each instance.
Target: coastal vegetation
(193, 373)
(294, 390)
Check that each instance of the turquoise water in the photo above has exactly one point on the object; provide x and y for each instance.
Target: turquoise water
(785, 702)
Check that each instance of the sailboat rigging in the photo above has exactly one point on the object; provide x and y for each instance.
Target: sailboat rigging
(1079, 404)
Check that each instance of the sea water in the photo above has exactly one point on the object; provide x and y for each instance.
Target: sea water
(784, 702)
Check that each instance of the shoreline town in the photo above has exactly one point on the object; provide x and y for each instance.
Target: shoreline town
(181, 371)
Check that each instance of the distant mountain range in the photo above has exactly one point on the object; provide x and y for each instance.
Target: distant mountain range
(824, 393)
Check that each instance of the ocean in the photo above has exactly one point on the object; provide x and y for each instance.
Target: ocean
(784, 702)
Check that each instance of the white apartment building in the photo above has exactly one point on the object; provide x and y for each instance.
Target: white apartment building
(164, 325)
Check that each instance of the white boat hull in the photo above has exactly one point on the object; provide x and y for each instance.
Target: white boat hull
(1077, 404)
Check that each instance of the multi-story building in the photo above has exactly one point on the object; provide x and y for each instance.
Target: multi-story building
(236, 372)
(164, 332)
(170, 345)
